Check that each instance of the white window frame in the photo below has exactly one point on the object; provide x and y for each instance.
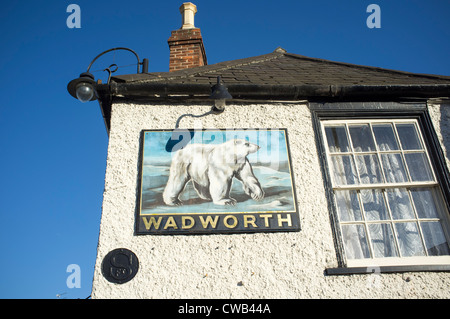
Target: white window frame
(443, 218)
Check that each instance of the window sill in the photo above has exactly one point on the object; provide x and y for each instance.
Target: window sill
(386, 269)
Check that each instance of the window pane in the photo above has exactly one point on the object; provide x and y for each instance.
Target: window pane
(361, 138)
(369, 169)
(409, 239)
(355, 241)
(348, 205)
(399, 203)
(434, 239)
(344, 170)
(382, 240)
(409, 137)
(385, 137)
(394, 170)
(374, 204)
(337, 139)
(418, 166)
(424, 201)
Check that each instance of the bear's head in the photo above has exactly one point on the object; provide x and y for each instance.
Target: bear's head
(242, 147)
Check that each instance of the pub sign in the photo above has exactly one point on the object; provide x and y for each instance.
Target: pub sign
(215, 181)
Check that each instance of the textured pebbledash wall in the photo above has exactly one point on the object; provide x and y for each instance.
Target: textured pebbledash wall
(259, 265)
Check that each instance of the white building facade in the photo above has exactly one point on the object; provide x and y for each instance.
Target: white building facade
(260, 265)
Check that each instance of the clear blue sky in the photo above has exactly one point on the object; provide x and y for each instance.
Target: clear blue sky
(53, 148)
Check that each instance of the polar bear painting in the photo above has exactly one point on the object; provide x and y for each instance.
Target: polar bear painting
(211, 168)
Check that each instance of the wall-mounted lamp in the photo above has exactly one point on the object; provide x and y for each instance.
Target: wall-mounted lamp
(219, 95)
(84, 88)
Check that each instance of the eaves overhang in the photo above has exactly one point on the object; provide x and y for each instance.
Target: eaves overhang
(161, 91)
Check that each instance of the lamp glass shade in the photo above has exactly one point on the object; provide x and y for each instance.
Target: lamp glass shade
(84, 92)
(219, 104)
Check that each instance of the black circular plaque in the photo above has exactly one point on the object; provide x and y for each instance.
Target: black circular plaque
(120, 266)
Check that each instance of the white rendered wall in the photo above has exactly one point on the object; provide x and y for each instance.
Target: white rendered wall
(440, 115)
(259, 265)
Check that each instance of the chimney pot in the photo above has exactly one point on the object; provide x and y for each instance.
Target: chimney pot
(188, 10)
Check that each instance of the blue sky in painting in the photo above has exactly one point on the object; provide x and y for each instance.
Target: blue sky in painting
(272, 142)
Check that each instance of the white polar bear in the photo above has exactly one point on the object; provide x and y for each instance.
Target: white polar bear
(211, 168)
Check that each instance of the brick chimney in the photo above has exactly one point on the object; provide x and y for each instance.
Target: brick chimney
(186, 43)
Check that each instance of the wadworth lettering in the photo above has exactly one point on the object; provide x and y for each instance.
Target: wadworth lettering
(214, 180)
(220, 223)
